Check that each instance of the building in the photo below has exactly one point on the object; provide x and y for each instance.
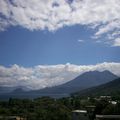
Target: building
(80, 115)
(12, 118)
(91, 111)
(107, 117)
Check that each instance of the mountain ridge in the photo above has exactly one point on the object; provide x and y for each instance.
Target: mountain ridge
(83, 81)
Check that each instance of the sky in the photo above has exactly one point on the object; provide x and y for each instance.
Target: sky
(49, 42)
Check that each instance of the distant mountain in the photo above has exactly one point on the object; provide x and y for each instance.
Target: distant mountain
(110, 88)
(4, 89)
(86, 80)
(18, 91)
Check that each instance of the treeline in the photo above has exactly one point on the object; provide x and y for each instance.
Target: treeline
(44, 108)
(47, 108)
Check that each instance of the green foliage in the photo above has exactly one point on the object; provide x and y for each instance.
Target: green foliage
(39, 109)
(109, 109)
(47, 108)
(101, 105)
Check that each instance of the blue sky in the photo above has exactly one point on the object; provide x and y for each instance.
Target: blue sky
(30, 48)
(44, 43)
(58, 32)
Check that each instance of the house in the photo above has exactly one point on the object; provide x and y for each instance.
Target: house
(79, 115)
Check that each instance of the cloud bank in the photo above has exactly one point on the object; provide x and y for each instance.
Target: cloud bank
(101, 15)
(42, 76)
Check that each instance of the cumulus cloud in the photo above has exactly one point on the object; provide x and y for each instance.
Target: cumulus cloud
(103, 16)
(42, 76)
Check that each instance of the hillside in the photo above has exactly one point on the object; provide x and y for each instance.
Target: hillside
(110, 88)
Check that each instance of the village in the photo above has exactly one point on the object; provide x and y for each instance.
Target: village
(89, 112)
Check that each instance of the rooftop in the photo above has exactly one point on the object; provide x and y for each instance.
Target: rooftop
(79, 111)
(107, 116)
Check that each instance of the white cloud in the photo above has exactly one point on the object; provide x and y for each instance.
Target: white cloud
(117, 42)
(103, 16)
(48, 75)
(81, 41)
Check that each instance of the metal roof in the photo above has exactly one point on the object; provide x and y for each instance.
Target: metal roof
(107, 116)
(79, 111)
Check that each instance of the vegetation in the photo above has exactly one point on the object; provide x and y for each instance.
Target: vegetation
(47, 108)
